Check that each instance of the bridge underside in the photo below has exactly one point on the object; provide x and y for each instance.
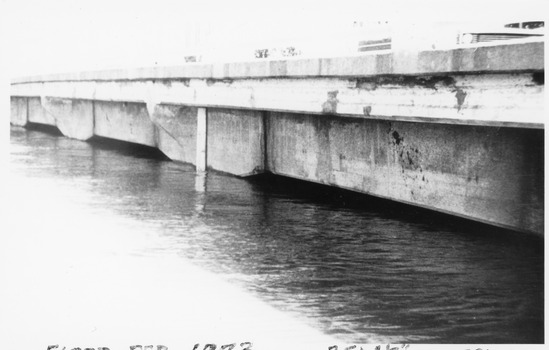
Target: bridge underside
(488, 174)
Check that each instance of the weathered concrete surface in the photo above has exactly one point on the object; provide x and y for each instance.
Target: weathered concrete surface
(74, 118)
(18, 111)
(506, 99)
(235, 141)
(37, 113)
(125, 121)
(494, 175)
(176, 127)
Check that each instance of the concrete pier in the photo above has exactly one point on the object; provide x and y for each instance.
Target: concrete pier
(457, 131)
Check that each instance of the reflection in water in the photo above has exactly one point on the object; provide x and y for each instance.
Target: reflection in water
(338, 262)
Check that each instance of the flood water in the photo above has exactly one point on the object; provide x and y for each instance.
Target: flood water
(352, 268)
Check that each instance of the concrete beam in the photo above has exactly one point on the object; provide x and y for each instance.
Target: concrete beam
(480, 99)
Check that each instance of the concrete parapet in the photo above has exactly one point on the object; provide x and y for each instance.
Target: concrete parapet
(494, 58)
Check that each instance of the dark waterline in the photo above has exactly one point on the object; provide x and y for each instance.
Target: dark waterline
(353, 266)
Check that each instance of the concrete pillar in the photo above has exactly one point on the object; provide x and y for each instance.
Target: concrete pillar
(37, 113)
(124, 121)
(201, 139)
(73, 117)
(176, 127)
(18, 111)
(236, 141)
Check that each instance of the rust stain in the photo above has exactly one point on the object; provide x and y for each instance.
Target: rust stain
(330, 106)
(252, 99)
(212, 81)
(397, 137)
(460, 97)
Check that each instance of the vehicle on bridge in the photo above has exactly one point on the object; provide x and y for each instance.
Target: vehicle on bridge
(510, 31)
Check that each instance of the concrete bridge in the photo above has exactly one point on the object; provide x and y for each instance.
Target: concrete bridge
(457, 131)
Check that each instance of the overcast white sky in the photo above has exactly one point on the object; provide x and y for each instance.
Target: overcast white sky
(69, 35)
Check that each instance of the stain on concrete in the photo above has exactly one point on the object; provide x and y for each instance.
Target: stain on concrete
(368, 85)
(460, 97)
(409, 159)
(397, 138)
(330, 106)
(168, 82)
(212, 81)
(58, 101)
(538, 78)
(429, 82)
(471, 178)
(367, 110)
(324, 167)
(252, 99)
(407, 156)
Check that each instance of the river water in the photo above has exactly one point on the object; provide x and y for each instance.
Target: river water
(347, 267)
